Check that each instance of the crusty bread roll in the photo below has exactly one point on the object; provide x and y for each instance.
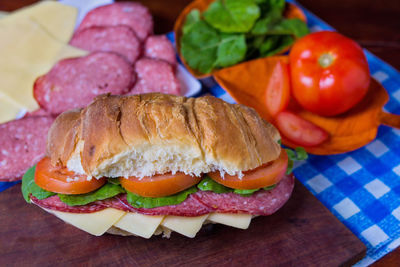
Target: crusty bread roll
(141, 135)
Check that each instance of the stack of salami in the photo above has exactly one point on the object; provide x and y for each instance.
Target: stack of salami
(125, 58)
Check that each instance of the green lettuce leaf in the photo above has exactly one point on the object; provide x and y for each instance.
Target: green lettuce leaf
(199, 46)
(153, 202)
(270, 187)
(106, 191)
(30, 187)
(266, 5)
(114, 181)
(231, 50)
(301, 153)
(245, 192)
(208, 184)
(232, 15)
(297, 155)
(191, 19)
(249, 192)
(267, 23)
(271, 44)
(277, 4)
(295, 27)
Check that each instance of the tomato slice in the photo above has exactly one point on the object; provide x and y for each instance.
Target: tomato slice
(299, 130)
(265, 175)
(61, 180)
(277, 94)
(159, 185)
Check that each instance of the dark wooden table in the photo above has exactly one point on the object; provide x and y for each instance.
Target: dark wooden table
(374, 24)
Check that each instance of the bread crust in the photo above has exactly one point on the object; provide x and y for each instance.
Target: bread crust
(63, 136)
(216, 135)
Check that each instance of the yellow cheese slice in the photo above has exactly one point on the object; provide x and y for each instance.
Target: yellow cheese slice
(241, 221)
(57, 19)
(187, 226)
(139, 224)
(8, 109)
(68, 51)
(96, 223)
(27, 51)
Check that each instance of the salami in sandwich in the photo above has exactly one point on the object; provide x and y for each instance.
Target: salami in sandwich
(152, 164)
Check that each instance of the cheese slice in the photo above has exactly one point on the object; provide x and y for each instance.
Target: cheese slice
(241, 221)
(57, 19)
(187, 226)
(68, 51)
(8, 109)
(96, 223)
(27, 51)
(139, 224)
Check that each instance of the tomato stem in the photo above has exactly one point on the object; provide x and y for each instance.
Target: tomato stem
(325, 60)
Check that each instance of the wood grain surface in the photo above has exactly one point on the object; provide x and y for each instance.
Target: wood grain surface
(374, 24)
(302, 233)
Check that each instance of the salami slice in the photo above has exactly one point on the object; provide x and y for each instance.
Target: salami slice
(190, 207)
(120, 39)
(37, 112)
(159, 47)
(155, 76)
(54, 203)
(260, 203)
(22, 144)
(74, 82)
(134, 15)
(199, 203)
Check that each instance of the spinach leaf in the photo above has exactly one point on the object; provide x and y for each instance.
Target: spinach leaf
(270, 187)
(153, 202)
(284, 41)
(270, 44)
(114, 181)
(249, 192)
(277, 4)
(233, 31)
(199, 46)
(245, 192)
(208, 184)
(295, 27)
(266, 24)
(232, 15)
(297, 155)
(106, 191)
(30, 187)
(301, 153)
(231, 50)
(289, 166)
(191, 19)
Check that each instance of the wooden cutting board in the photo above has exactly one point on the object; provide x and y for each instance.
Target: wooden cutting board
(302, 233)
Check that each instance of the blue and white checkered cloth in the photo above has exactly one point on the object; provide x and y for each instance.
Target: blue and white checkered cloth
(361, 188)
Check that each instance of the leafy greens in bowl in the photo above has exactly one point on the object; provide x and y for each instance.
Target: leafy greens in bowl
(213, 34)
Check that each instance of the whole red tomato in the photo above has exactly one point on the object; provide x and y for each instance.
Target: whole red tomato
(329, 73)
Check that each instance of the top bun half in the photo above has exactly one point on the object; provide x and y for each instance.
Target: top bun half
(143, 135)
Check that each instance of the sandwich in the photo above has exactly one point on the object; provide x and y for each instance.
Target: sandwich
(154, 164)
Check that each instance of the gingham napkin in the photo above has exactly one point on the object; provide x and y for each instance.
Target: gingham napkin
(361, 188)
